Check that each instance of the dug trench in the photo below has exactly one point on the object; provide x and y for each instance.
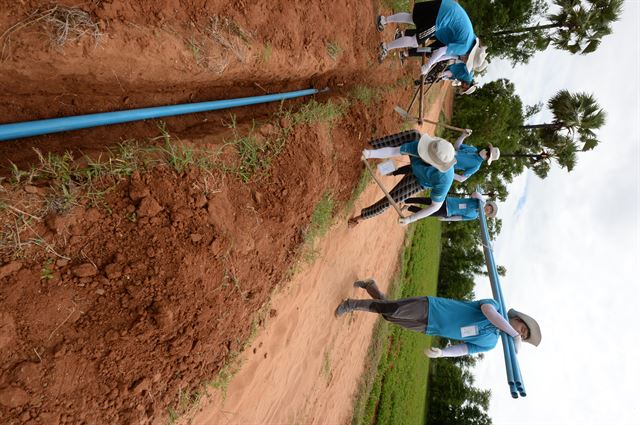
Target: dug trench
(111, 312)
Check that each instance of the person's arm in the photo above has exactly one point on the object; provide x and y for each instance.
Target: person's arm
(459, 178)
(437, 56)
(425, 212)
(466, 133)
(447, 75)
(497, 320)
(478, 196)
(451, 351)
(382, 153)
(452, 218)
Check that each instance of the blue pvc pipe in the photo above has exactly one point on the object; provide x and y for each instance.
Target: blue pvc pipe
(514, 377)
(56, 125)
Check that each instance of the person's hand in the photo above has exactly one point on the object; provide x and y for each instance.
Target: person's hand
(467, 132)
(365, 153)
(477, 195)
(404, 220)
(517, 342)
(433, 352)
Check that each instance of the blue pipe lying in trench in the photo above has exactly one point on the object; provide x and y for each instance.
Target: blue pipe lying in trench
(56, 125)
(514, 377)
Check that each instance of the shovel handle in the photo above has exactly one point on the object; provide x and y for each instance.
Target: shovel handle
(373, 174)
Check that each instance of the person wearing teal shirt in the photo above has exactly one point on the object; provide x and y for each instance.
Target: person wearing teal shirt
(445, 27)
(469, 159)
(432, 160)
(476, 324)
(456, 209)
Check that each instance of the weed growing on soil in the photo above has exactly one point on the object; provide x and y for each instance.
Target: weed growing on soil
(47, 270)
(320, 222)
(64, 24)
(267, 52)
(365, 178)
(215, 30)
(197, 50)
(313, 111)
(182, 157)
(364, 94)
(333, 49)
(397, 5)
(65, 183)
(187, 403)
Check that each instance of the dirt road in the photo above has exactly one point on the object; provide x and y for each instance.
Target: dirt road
(305, 365)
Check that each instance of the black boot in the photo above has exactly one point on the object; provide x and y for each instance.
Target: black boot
(372, 289)
(349, 305)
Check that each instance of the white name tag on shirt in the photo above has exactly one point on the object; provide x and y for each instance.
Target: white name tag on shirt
(469, 331)
(463, 206)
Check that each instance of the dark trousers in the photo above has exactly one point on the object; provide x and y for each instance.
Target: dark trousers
(410, 313)
(442, 212)
(404, 189)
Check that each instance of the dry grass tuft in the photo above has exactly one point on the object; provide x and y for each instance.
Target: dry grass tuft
(62, 24)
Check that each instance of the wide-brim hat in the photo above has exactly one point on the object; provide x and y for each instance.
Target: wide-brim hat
(494, 154)
(494, 209)
(471, 89)
(437, 152)
(477, 57)
(534, 329)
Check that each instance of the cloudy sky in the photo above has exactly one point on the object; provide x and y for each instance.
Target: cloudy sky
(571, 246)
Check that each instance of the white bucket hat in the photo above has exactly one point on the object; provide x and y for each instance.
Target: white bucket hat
(534, 329)
(494, 154)
(477, 57)
(494, 209)
(437, 152)
(470, 90)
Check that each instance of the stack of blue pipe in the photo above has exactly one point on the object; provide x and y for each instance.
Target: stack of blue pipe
(514, 377)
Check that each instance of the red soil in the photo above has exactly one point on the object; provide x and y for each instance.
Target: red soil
(147, 309)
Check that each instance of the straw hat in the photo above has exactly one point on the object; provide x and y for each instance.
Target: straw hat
(494, 154)
(477, 57)
(534, 329)
(494, 209)
(437, 152)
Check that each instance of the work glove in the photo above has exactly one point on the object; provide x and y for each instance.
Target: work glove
(477, 195)
(404, 220)
(467, 132)
(517, 342)
(365, 153)
(433, 352)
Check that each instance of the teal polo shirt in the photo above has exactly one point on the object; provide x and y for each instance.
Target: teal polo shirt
(463, 321)
(454, 28)
(467, 208)
(468, 160)
(460, 72)
(428, 176)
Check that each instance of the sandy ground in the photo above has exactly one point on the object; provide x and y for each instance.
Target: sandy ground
(285, 378)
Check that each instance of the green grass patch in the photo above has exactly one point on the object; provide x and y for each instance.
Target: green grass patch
(321, 220)
(394, 391)
(334, 50)
(364, 94)
(315, 112)
(398, 5)
(365, 178)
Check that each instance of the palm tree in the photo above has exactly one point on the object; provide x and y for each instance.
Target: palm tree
(552, 145)
(578, 26)
(578, 113)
